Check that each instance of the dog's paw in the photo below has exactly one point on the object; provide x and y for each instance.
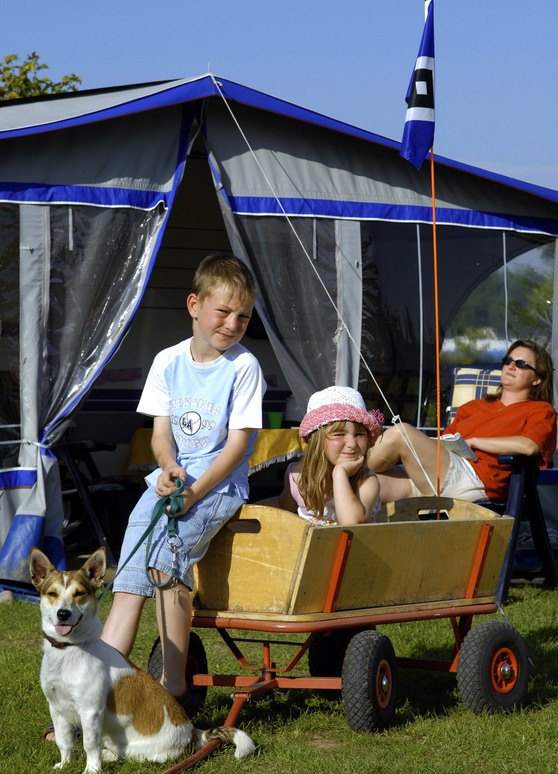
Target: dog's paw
(65, 759)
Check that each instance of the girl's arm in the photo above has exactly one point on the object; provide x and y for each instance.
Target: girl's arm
(353, 507)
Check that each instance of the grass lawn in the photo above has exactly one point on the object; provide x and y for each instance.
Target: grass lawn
(303, 731)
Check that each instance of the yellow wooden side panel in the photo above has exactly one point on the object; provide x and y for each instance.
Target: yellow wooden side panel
(400, 563)
(252, 571)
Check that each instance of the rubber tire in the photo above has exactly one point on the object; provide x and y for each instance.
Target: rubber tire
(369, 684)
(195, 664)
(486, 650)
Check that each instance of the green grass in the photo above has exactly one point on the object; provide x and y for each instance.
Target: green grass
(302, 731)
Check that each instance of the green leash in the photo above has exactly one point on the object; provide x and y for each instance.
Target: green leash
(171, 504)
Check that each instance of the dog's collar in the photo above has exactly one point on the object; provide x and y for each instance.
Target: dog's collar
(57, 643)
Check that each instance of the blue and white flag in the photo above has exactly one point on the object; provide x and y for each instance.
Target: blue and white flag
(418, 134)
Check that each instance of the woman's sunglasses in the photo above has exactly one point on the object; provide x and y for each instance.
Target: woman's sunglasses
(519, 363)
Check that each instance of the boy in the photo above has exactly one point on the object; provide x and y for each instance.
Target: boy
(205, 395)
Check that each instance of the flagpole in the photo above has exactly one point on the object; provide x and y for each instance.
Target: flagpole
(437, 319)
(418, 139)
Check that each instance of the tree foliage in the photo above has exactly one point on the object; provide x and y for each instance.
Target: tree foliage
(24, 78)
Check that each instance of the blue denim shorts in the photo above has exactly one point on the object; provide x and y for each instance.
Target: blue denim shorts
(194, 533)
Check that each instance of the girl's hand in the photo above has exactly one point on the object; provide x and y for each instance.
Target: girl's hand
(350, 466)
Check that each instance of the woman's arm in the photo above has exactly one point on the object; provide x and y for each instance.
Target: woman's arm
(523, 433)
(507, 444)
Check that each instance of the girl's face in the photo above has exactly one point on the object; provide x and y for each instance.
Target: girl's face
(345, 442)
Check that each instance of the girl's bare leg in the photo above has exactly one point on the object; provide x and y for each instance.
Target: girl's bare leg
(403, 443)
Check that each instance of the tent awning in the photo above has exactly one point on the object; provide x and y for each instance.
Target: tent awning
(44, 114)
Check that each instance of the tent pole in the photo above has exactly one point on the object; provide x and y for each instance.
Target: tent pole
(555, 322)
(437, 320)
(421, 323)
(506, 299)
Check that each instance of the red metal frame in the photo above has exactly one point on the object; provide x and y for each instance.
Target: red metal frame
(272, 677)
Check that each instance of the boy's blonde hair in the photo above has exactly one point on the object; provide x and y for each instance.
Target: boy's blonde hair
(315, 482)
(224, 269)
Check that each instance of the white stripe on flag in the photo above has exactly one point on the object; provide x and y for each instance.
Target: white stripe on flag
(424, 63)
(419, 114)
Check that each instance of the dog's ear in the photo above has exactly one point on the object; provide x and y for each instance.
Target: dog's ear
(39, 566)
(95, 567)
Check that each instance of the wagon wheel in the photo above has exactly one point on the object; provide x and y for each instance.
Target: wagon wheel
(493, 668)
(369, 682)
(195, 664)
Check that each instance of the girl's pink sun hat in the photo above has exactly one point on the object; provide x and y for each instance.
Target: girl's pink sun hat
(339, 404)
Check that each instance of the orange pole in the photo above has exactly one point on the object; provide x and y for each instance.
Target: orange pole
(436, 316)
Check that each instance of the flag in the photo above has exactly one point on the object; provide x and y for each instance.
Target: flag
(418, 134)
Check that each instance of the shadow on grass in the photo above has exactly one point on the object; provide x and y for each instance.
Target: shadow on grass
(420, 693)
(281, 707)
(543, 652)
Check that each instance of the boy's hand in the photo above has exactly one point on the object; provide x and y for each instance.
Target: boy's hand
(189, 499)
(165, 483)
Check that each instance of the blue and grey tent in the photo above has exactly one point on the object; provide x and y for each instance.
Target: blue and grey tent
(334, 224)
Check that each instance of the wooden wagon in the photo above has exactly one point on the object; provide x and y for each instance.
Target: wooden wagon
(270, 571)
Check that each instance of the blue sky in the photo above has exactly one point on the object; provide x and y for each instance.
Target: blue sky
(496, 61)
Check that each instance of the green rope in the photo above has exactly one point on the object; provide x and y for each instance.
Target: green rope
(170, 504)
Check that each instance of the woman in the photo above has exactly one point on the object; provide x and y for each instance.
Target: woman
(518, 418)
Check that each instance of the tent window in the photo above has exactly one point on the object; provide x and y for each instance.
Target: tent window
(94, 278)
(9, 332)
(513, 302)
(300, 319)
(468, 260)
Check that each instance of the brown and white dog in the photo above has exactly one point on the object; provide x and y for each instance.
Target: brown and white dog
(89, 684)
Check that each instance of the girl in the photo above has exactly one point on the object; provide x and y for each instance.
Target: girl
(332, 484)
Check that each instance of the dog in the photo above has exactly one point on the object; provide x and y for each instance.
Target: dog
(122, 711)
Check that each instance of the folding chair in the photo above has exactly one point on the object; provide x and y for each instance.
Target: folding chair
(101, 504)
(523, 501)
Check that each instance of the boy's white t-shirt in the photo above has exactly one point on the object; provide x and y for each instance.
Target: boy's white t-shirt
(204, 401)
